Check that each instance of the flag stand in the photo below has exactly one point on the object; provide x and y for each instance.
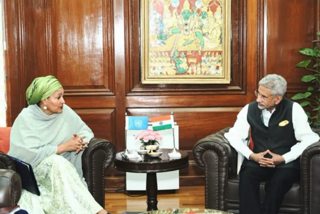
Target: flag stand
(126, 151)
(174, 144)
(174, 139)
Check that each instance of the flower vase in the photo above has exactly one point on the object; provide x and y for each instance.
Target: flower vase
(149, 143)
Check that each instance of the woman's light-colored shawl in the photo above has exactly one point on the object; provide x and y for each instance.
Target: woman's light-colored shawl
(36, 135)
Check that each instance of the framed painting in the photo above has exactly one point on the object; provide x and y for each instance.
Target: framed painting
(185, 41)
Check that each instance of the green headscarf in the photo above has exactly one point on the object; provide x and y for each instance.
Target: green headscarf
(41, 88)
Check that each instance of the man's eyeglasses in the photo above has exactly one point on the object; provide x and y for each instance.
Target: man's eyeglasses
(256, 92)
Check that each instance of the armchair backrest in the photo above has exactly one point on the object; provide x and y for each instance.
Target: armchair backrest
(5, 139)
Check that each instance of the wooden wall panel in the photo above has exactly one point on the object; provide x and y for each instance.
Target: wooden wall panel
(34, 28)
(101, 122)
(77, 30)
(289, 26)
(194, 123)
(72, 40)
(81, 29)
(92, 46)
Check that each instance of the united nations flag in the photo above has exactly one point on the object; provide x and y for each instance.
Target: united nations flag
(137, 122)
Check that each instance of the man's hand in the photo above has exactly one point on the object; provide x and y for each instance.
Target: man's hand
(259, 158)
(264, 161)
(276, 158)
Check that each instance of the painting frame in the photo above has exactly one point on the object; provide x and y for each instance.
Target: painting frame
(174, 64)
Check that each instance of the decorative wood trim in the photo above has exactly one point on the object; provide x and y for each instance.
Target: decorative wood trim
(317, 16)
(189, 101)
(139, 111)
(21, 46)
(14, 22)
(91, 101)
(262, 43)
(120, 20)
(48, 31)
(108, 44)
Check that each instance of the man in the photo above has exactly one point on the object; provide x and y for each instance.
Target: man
(279, 131)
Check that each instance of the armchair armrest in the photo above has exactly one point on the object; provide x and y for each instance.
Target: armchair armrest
(6, 162)
(95, 161)
(218, 159)
(310, 177)
(10, 182)
(11, 187)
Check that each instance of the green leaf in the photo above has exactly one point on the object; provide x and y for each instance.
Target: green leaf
(303, 64)
(310, 88)
(316, 123)
(316, 51)
(318, 33)
(316, 109)
(308, 78)
(300, 96)
(307, 51)
(305, 103)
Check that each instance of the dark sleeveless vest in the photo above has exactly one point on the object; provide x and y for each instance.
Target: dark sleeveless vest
(278, 137)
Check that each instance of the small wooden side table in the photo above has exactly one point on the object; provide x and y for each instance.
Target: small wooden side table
(151, 166)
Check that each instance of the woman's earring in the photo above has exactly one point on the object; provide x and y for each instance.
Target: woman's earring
(45, 107)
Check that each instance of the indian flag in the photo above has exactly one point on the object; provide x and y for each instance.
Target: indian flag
(161, 123)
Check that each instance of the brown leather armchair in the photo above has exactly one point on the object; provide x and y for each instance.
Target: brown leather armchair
(219, 161)
(10, 189)
(95, 161)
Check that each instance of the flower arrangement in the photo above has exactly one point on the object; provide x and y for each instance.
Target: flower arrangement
(149, 137)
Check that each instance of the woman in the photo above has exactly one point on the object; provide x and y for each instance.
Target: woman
(51, 137)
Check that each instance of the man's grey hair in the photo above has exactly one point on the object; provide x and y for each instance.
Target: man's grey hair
(276, 83)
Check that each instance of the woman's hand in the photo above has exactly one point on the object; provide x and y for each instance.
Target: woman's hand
(75, 143)
(83, 144)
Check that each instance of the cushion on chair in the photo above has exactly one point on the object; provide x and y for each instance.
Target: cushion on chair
(5, 139)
